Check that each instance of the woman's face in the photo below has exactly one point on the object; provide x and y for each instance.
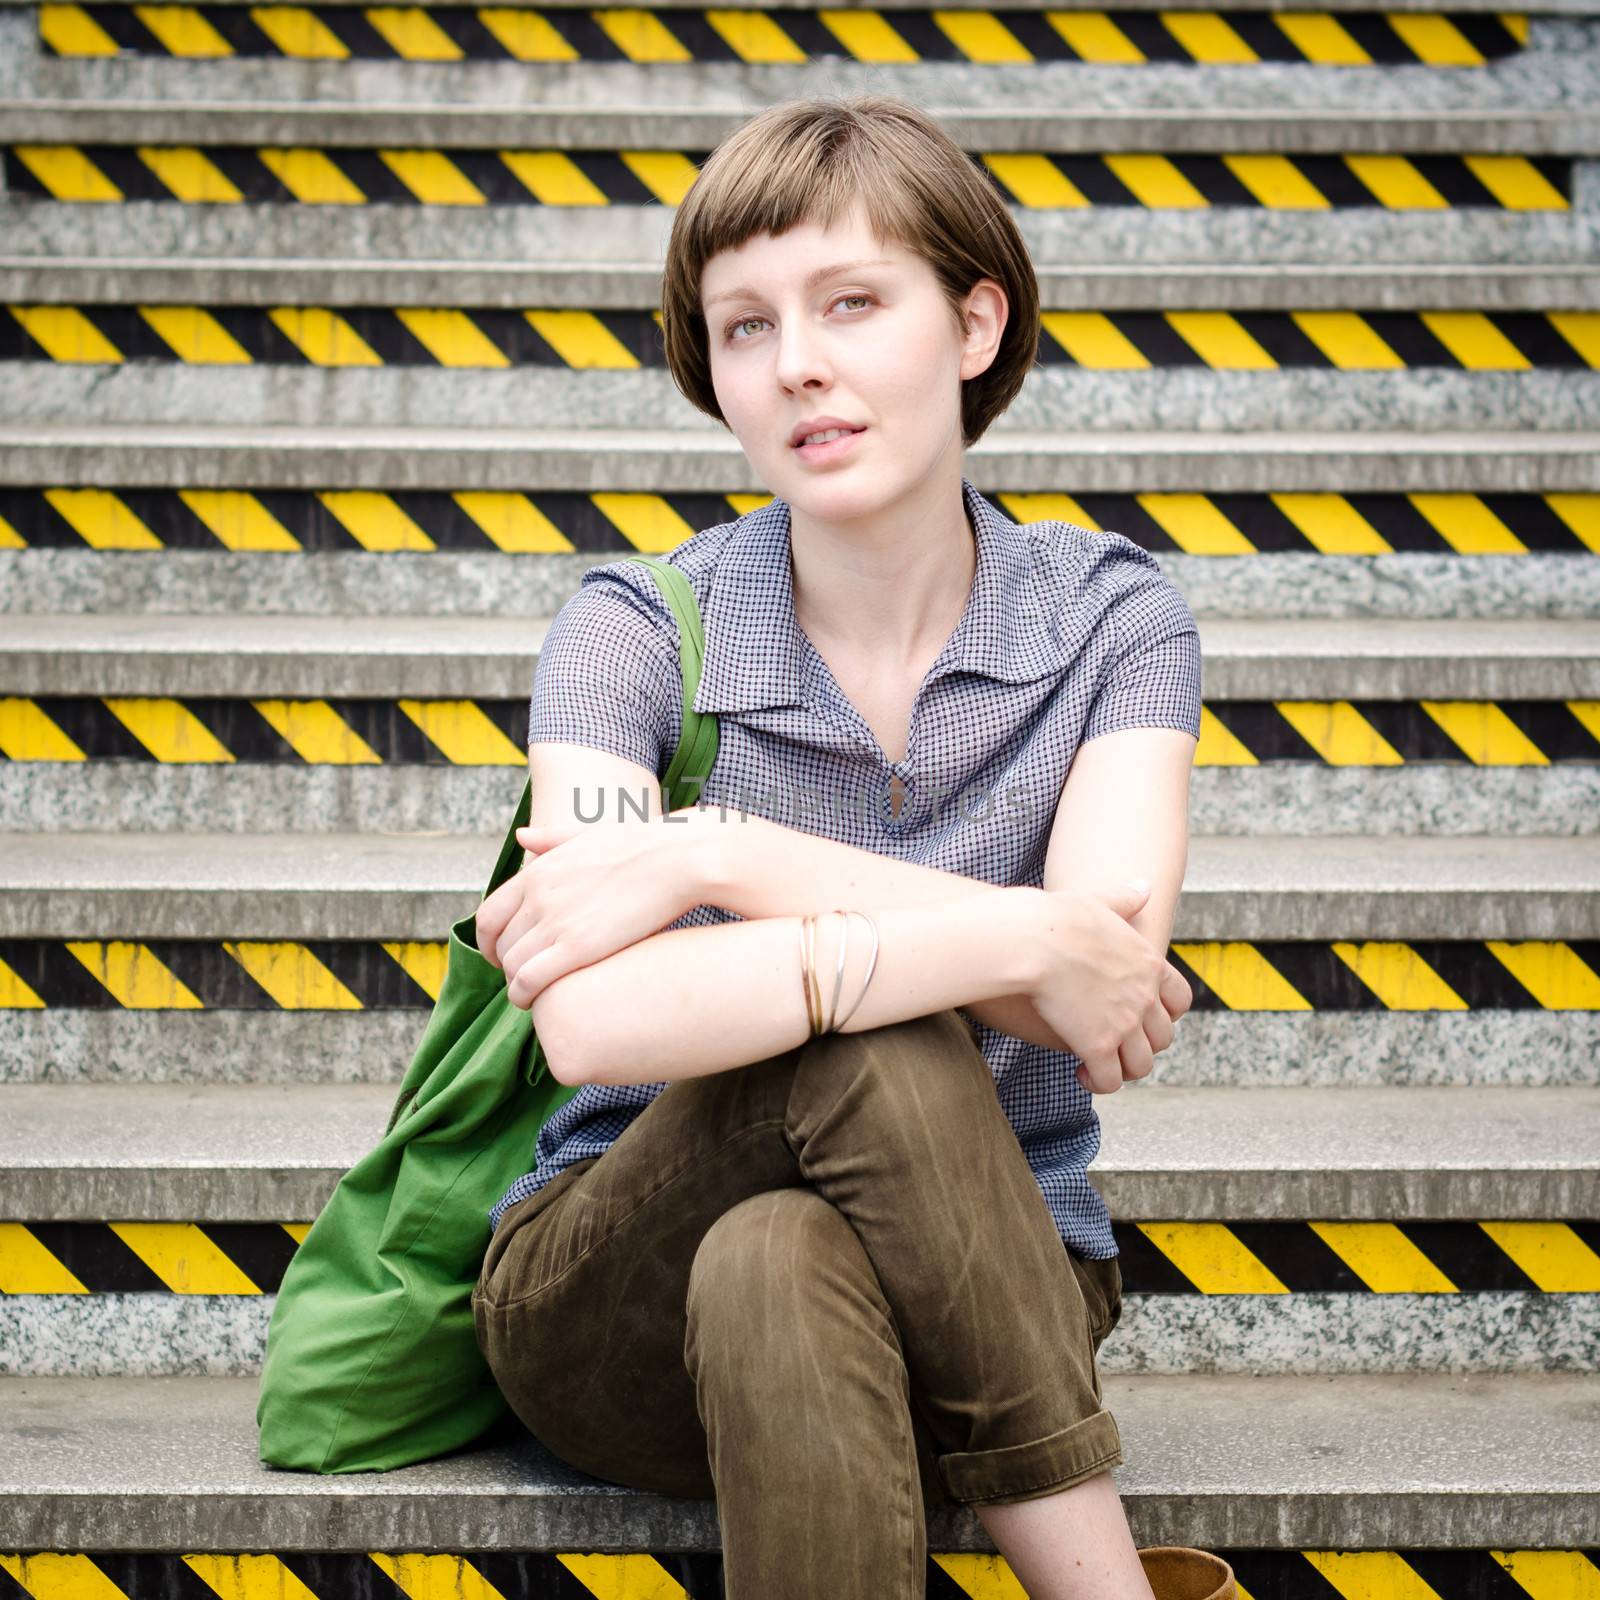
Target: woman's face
(835, 323)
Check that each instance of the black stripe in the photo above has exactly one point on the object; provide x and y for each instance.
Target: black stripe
(90, 725)
(1330, 176)
(248, 173)
(97, 1258)
(1145, 1268)
(1468, 1256)
(1100, 186)
(129, 332)
(1394, 516)
(1538, 338)
(1529, 517)
(1411, 730)
(924, 36)
(260, 336)
(1553, 728)
(1455, 180)
(1280, 336)
(1156, 339)
(703, 42)
(1213, 178)
(41, 526)
(1151, 36)
(236, 25)
(1556, 171)
(583, 33)
(1298, 1257)
(1474, 973)
(1488, 35)
(1321, 978)
(124, 168)
(1265, 732)
(1469, 1574)
(1260, 521)
(350, 26)
(17, 344)
(467, 32)
(1037, 37)
(1260, 30)
(1376, 35)
(373, 176)
(215, 978)
(128, 32)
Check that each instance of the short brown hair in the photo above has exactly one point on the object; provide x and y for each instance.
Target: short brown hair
(811, 161)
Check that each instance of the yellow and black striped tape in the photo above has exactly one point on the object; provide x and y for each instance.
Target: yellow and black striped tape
(620, 341)
(785, 36)
(602, 524)
(1564, 1574)
(1434, 975)
(1164, 1258)
(196, 730)
(1035, 180)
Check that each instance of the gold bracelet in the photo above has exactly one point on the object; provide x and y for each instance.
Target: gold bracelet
(805, 978)
(814, 987)
(838, 977)
(872, 965)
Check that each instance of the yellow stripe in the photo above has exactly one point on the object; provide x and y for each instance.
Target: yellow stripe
(1241, 977)
(1093, 340)
(1398, 976)
(1485, 734)
(753, 36)
(310, 177)
(629, 1577)
(1155, 182)
(1195, 523)
(183, 31)
(1035, 181)
(1322, 38)
(299, 32)
(66, 173)
(1094, 36)
(463, 733)
(1475, 341)
(1046, 507)
(1516, 25)
(1551, 971)
(1219, 746)
(869, 36)
(981, 36)
(1395, 182)
(430, 1577)
(248, 1577)
(1467, 525)
(1588, 713)
(183, 1257)
(1581, 513)
(1213, 1257)
(667, 174)
(452, 338)
(582, 340)
(412, 34)
(196, 336)
(10, 539)
(1339, 733)
(1208, 38)
(27, 734)
(324, 337)
(26, 1267)
(641, 35)
(292, 975)
(49, 1576)
(67, 335)
(101, 519)
(1435, 39)
(1551, 1574)
(1581, 329)
(1517, 184)
(15, 995)
(375, 520)
(647, 521)
(1331, 524)
(169, 730)
(552, 178)
(191, 175)
(238, 519)
(526, 35)
(1383, 1257)
(1349, 341)
(317, 733)
(424, 964)
(513, 523)
(1277, 182)
(1220, 340)
(1554, 1257)
(133, 975)
(297, 1231)
(433, 177)
(71, 31)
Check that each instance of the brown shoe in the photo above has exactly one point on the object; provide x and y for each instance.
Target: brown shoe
(1179, 1573)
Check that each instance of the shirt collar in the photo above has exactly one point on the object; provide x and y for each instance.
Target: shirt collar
(755, 656)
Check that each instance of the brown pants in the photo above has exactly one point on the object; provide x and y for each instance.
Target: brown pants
(825, 1289)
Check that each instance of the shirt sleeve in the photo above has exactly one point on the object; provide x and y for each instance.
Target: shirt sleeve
(1153, 680)
(608, 675)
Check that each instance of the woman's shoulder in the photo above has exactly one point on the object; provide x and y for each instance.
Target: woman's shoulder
(1087, 576)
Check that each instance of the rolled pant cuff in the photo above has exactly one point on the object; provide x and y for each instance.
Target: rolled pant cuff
(1021, 1471)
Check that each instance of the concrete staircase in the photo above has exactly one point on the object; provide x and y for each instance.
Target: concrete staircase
(1322, 330)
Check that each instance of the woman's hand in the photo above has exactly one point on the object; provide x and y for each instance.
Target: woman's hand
(1103, 987)
(587, 891)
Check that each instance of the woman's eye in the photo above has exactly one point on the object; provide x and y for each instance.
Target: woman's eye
(745, 322)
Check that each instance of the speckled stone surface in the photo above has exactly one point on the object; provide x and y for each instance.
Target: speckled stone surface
(323, 583)
(151, 1335)
(1182, 399)
(1375, 1461)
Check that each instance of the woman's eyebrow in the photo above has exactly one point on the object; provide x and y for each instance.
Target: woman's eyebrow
(811, 281)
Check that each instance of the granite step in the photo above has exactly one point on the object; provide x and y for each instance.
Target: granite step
(1409, 1462)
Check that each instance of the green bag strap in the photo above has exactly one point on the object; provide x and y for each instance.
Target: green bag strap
(698, 740)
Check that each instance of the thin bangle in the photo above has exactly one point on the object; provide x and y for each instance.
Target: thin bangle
(805, 979)
(872, 964)
(838, 977)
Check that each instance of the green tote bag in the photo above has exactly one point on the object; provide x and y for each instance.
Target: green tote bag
(372, 1361)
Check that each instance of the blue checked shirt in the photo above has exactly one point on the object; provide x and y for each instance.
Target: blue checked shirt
(1067, 634)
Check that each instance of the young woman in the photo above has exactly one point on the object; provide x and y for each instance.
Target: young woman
(815, 1235)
